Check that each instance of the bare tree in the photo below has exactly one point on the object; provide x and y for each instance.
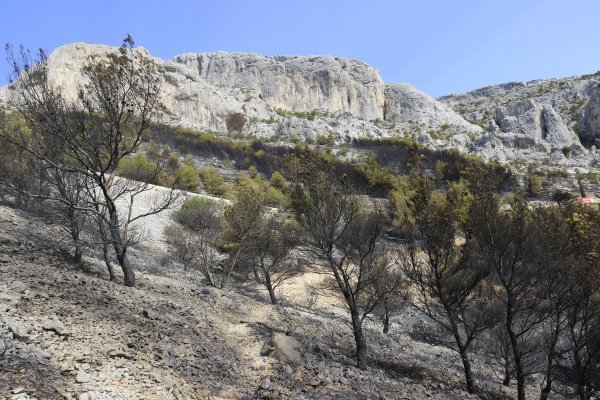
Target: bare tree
(59, 194)
(340, 231)
(270, 253)
(91, 134)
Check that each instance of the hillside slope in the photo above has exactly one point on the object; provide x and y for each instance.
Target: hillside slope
(71, 334)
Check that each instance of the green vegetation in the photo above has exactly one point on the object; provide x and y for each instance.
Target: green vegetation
(213, 181)
(309, 115)
(187, 178)
(535, 185)
(138, 167)
(325, 140)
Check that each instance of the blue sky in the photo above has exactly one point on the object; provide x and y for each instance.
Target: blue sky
(440, 46)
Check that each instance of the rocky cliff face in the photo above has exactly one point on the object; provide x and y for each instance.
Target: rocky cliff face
(307, 96)
(406, 105)
(555, 116)
(299, 84)
(275, 95)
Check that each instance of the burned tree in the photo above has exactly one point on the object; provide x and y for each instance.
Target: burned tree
(339, 231)
(93, 132)
(505, 241)
(444, 279)
(270, 250)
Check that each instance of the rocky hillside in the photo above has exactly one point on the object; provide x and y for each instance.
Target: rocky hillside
(553, 121)
(545, 116)
(67, 333)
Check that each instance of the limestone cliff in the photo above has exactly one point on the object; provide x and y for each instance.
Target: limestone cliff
(305, 96)
(299, 84)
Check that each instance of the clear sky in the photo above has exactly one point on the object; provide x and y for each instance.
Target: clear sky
(439, 46)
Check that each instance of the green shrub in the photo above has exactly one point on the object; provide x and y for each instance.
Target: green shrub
(343, 151)
(275, 197)
(213, 181)
(278, 181)
(139, 168)
(192, 209)
(325, 140)
(535, 187)
(187, 179)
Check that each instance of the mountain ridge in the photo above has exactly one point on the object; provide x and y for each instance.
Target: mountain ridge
(288, 96)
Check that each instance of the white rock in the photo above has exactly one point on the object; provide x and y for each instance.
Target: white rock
(406, 105)
(83, 377)
(283, 348)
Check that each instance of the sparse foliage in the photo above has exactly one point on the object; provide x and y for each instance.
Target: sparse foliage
(93, 133)
(340, 232)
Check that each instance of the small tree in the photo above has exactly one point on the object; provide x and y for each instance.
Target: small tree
(196, 235)
(505, 241)
(445, 281)
(187, 178)
(278, 181)
(213, 181)
(340, 231)
(535, 186)
(555, 255)
(583, 316)
(242, 223)
(270, 251)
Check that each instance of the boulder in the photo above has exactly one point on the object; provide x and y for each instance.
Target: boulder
(19, 287)
(83, 377)
(55, 325)
(18, 330)
(283, 348)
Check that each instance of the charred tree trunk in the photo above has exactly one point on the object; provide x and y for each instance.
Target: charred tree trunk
(75, 233)
(463, 347)
(516, 352)
(270, 288)
(359, 338)
(386, 317)
(128, 273)
(545, 392)
(507, 370)
(78, 252)
(120, 247)
(464, 356)
(109, 266)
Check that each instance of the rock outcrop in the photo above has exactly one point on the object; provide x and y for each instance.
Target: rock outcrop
(406, 105)
(541, 122)
(269, 96)
(590, 125)
(301, 84)
(557, 116)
